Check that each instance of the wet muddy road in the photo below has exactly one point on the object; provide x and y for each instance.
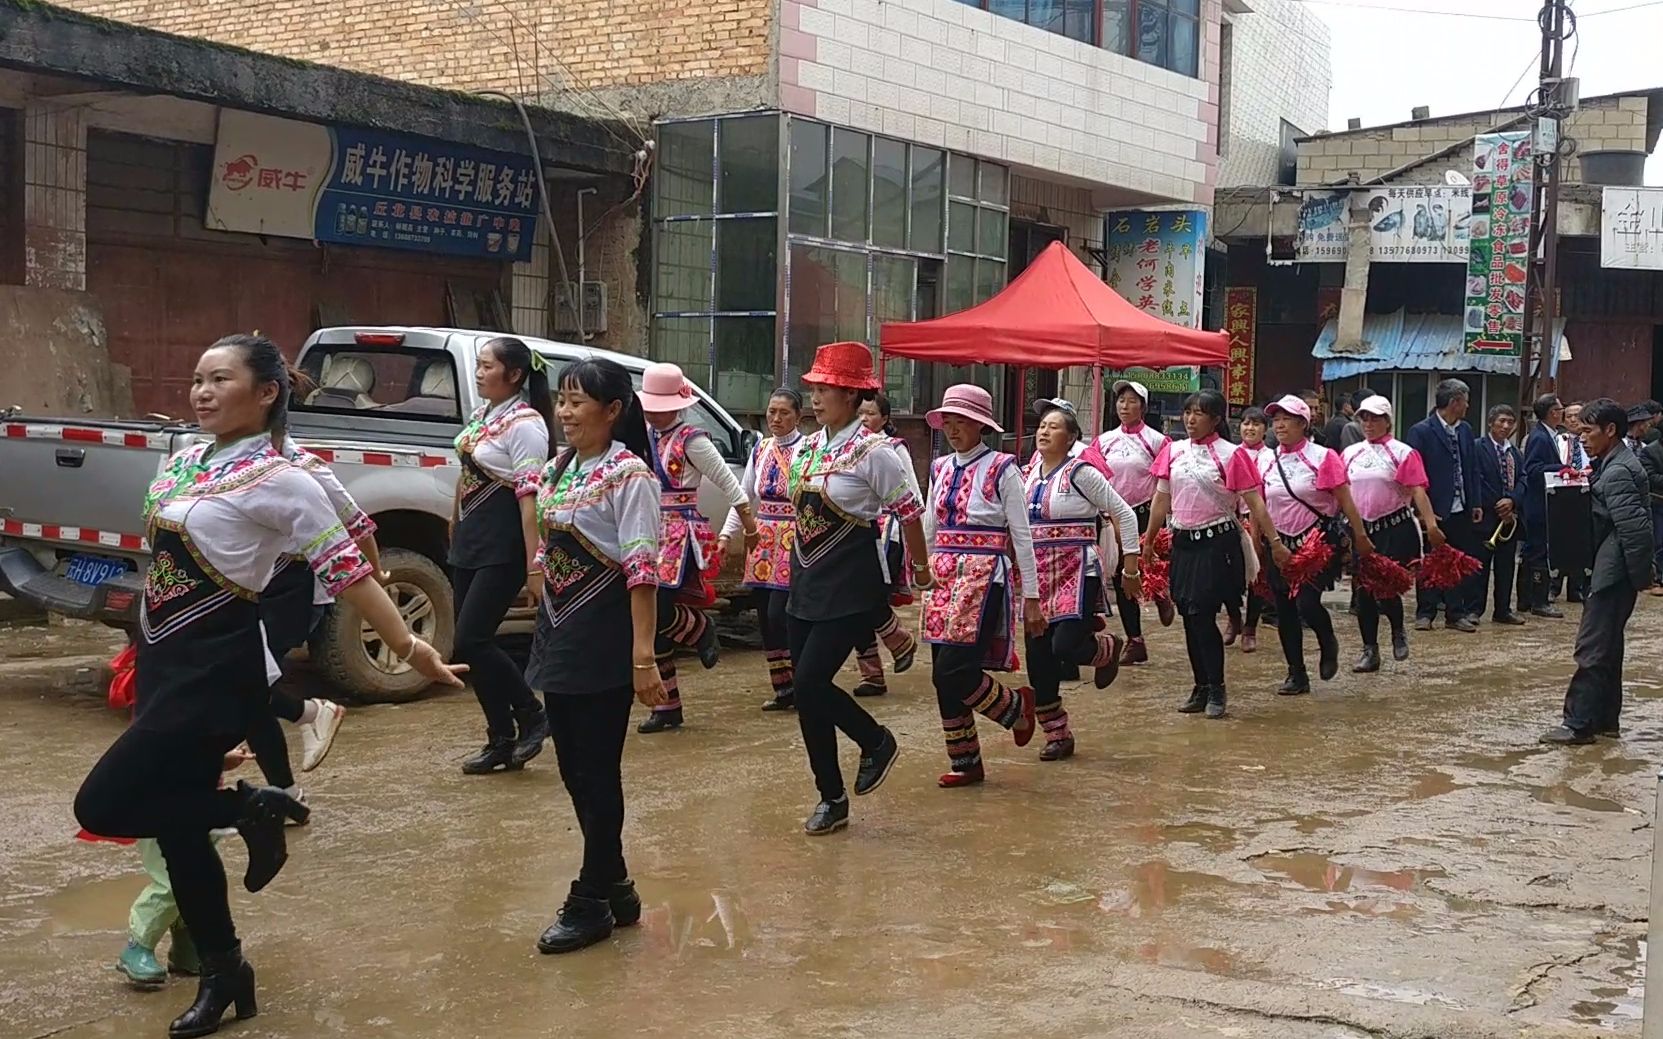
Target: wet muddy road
(1391, 856)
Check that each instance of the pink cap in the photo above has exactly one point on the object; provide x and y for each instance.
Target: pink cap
(1290, 404)
(664, 388)
(967, 401)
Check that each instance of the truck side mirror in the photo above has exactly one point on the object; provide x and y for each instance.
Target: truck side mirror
(748, 439)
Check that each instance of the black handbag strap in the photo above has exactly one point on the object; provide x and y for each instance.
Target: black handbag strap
(1318, 513)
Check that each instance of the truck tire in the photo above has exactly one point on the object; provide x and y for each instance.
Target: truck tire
(352, 658)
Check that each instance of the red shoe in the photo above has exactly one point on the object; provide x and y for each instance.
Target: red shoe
(1136, 652)
(1104, 676)
(950, 780)
(1249, 640)
(1023, 730)
(1163, 607)
(1231, 630)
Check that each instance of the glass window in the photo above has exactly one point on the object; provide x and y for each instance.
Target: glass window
(1184, 53)
(961, 227)
(995, 183)
(1014, 9)
(681, 271)
(684, 341)
(686, 173)
(704, 417)
(749, 161)
(745, 265)
(1151, 33)
(809, 181)
(892, 288)
(850, 183)
(1077, 21)
(889, 193)
(744, 351)
(924, 234)
(828, 301)
(990, 278)
(961, 284)
(961, 176)
(1117, 25)
(990, 236)
(1045, 14)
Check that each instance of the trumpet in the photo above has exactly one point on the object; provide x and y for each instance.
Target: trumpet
(1504, 532)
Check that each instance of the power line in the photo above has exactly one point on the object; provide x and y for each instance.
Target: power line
(1357, 6)
(1620, 10)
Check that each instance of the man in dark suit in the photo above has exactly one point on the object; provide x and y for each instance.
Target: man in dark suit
(1623, 547)
(1445, 443)
(1541, 456)
(1501, 493)
(1649, 450)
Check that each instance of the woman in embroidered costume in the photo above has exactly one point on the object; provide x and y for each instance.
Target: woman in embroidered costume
(874, 415)
(1065, 495)
(1201, 485)
(976, 518)
(219, 516)
(1253, 430)
(683, 456)
(503, 449)
(1305, 487)
(1388, 481)
(843, 478)
(1126, 453)
(594, 650)
(767, 485)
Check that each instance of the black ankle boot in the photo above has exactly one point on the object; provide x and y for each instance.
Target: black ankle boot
(497, 754)
(1368, 662)
(226, 979)
(625, 904)
(1296, 684)
(582, 922)
(264, 809)
(1197, 701)
(534, 729)
(710, 646)
(1400, 645)
(1328, 663)
(1215, 701)
(658, 721)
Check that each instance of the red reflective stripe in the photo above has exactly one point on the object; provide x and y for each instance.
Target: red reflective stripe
(15, 430)
(86, 436)
(136, 440)
(377, 458)
(323, 453)
(434, 461)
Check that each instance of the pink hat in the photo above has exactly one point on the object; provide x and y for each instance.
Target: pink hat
(1290, 404)
(967, 401)
(664, 388)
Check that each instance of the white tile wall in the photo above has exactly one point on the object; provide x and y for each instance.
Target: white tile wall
(1279, 69)
(1007, 91)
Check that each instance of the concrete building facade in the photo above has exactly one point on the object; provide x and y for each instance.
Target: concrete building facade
(1276, 78)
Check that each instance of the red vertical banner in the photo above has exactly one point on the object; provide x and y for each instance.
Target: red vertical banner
(1241, 320)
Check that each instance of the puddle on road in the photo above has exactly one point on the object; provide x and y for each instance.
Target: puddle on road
(1499, 763)
(1435, 783)
(1617, 1006)
(1391, 993)
(1624, 766)
(1319, 873)
(1156, 886)
(1210, 836)
(1569, 796)
(1188, 957)
(99, 905)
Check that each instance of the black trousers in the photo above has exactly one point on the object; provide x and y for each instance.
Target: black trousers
(1468, 596)
(589, 731)
(265, 736)
(1499, 568)
(1594, 699)
(1069, 641)
(164, 783)
(1131, 614)
(1205, 645)
(818, 650)
(483, 596)
(770, 615)
(1294, 615)
(1369, 612)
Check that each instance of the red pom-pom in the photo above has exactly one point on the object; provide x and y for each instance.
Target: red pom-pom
(1310, 561)
(1383, 577)
(1163, 543)
(1446, 566)
(1156, 579)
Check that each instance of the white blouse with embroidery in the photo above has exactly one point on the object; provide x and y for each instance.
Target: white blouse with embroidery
(510, 441)
(851, 469)
(1085, 494)
(788, 447)
(358, 524)
(612, 501)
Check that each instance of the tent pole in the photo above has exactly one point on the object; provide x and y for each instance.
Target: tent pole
(1097, 399)
(1021, 408)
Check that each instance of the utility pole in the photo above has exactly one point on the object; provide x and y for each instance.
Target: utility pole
(1540, 344)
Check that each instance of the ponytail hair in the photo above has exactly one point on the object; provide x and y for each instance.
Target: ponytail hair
(301, 386)
(882, 401)
(606, 381)
(267, 364)
(516, 357)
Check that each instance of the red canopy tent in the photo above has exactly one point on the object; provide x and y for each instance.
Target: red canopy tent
(1056, 314)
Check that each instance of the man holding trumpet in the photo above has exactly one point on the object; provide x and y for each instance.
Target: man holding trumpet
(1501, 490)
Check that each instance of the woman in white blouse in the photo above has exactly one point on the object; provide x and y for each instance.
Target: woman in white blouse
(594, 651)
(219, 517)
(886, 626)
(976, 518)
(493, 539)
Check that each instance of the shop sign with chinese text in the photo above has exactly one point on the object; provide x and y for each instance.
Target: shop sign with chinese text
(1409, 223)
(368, 187)
(1498, 267)
(1156, 261)
(1631, 229)
(1241, 313)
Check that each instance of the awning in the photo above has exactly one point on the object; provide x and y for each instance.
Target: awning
(1425, 342)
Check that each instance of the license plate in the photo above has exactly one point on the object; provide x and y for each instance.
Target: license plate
(93, 570)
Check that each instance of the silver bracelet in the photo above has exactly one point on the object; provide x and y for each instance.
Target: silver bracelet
(405, 659)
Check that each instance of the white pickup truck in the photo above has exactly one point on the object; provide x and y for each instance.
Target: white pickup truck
(389, 402)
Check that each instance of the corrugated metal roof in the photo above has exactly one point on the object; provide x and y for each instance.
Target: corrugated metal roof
(1427, 342)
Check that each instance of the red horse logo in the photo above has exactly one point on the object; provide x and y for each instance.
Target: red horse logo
(239, 172)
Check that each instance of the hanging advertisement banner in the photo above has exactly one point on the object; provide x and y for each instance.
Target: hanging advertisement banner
(1411, 223)
(1498, 266)
(1156, 260)
(1241, 317)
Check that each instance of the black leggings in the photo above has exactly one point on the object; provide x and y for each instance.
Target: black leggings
(1294, 615)
(1255, 607)
(1072, 641)
(483, 596)
(164, 783)
(818, 649)
(265, 736)
(770, 613)
(588, 731)
(1369, 610)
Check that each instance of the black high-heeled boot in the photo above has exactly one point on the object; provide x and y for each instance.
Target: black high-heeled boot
(227, 979)
(264, 808)
(533, 723)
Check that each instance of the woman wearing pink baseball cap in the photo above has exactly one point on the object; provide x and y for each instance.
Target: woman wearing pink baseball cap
(977, 516)
(683, 456)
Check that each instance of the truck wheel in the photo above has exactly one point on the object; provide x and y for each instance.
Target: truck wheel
(352, 657)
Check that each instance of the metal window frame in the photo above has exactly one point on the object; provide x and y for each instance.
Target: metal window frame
(1097, 40)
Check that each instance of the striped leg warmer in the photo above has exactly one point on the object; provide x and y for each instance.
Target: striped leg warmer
(963, 749)
(780, 674)
(1054, 720)
(1106, 651)
(685, 625)
(996, 701)
(667, 675)
(870, 665)
(895, 638)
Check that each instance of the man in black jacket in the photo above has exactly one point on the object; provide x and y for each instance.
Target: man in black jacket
(1501, 494)
(1651, 459)
(1446, 447)
(1623, 547)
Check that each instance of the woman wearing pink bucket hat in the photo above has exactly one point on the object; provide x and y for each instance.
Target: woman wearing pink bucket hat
(683, 456)
(977, 516)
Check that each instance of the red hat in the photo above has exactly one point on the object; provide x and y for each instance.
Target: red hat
(848, 365)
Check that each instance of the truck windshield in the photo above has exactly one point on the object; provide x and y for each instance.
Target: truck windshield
(419, 384)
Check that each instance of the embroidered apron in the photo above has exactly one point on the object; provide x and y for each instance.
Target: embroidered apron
(1062, 548)
(585, 632)
(768, 565)
(488, 521)
(684, 535)
(834, 560)
(965, 560)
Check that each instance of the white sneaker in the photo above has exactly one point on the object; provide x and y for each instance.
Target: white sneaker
(317, 737)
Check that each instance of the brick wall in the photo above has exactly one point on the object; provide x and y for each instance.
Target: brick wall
(1607, 123)
(1278, 69)
(943, 73)
(529, 47)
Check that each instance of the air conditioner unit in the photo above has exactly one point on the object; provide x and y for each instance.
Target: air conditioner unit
(593, 314)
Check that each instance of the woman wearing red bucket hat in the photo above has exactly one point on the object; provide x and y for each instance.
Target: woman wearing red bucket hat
(683, 457)
(977, 516)
(843, 478)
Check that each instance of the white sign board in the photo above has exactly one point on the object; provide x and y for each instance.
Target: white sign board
(1409, 223)
(1631, 228)
(267, 174)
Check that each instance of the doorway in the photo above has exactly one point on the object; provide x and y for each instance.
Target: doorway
(1657, 362)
